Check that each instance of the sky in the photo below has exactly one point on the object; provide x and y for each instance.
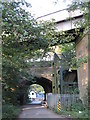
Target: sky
(43, 7)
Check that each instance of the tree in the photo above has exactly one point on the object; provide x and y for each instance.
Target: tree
(23, 38)
(36, 88)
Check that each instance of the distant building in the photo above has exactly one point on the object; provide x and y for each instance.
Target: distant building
(32, 95)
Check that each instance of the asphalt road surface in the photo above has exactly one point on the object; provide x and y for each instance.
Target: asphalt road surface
(35, 102)
(38, 111)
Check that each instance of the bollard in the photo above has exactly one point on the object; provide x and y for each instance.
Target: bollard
(59, 105)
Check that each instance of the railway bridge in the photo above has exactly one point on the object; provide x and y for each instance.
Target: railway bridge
(65, 21)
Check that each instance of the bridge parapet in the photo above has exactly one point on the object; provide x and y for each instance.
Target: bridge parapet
(41, 69)
(65, 20)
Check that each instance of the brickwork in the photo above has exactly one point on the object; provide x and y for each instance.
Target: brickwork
(44, 72)
(82, 51)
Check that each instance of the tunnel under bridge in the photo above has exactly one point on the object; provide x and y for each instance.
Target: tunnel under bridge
(42, 75)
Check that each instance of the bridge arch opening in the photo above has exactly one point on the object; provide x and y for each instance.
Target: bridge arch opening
(44, 82)
(36, 87)
(36, 93)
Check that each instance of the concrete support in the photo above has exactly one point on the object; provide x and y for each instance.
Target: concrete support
(82, 52)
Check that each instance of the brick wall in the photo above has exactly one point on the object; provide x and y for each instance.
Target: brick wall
(82, 51)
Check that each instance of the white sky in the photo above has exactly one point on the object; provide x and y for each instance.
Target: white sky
(43, 7)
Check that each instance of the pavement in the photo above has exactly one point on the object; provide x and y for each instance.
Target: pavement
(36, 102)
(38, 111)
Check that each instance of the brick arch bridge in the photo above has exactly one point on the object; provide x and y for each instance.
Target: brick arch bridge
(41, 75)
(44, 82)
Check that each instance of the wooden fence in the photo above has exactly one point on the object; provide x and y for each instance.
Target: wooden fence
(66, 100)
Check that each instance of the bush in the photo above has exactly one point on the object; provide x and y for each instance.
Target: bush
(10, 111)
(78, 110)
(78, 106)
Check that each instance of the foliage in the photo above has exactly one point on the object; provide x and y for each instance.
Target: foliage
(70, 47)
(80, 24)
(37, 88)
(66, 37)
(22, 39)
(76, 91)
(10, 111)
(69, 52)
(77, 111)
(84, 6)
(77, 62)
(83, 23)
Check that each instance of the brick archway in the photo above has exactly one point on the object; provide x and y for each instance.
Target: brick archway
(45, 83)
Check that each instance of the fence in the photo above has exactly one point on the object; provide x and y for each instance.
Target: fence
(66, 100)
